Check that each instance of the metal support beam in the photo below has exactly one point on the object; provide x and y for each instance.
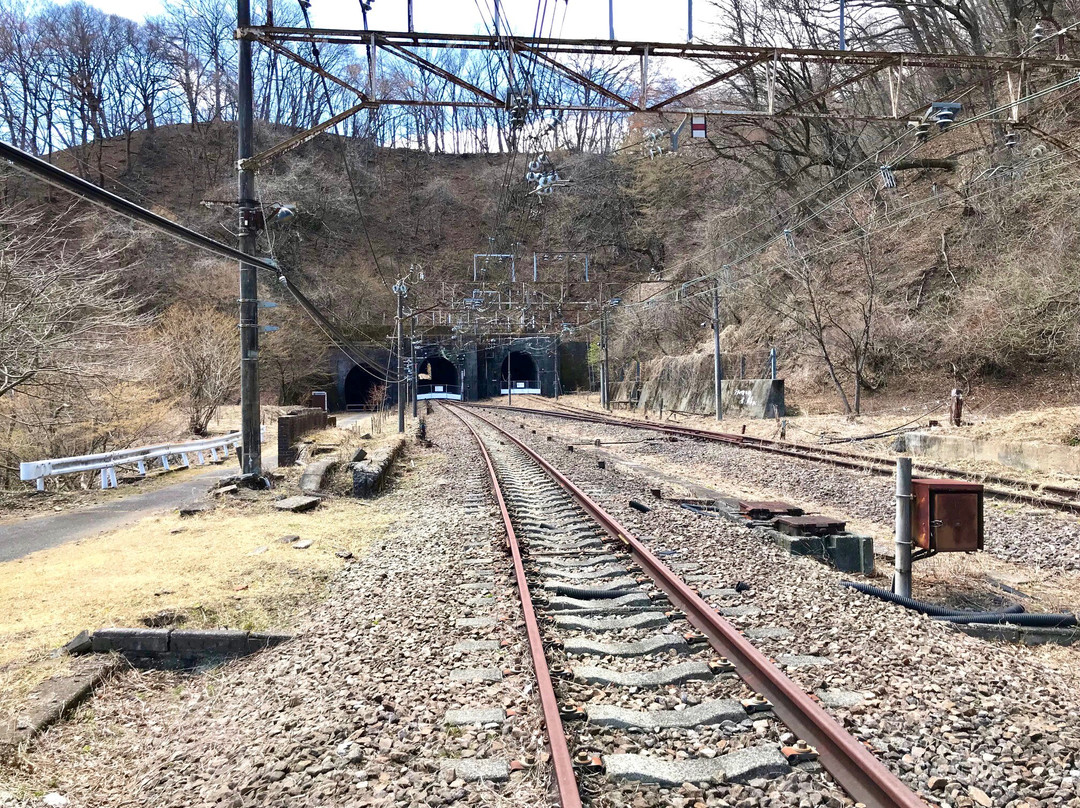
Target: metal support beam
(718, 364)
(299, 139)
(902, 576)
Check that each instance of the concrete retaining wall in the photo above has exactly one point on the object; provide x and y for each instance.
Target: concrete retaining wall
(294, 426)
(685, 383)
(371, 473)
(176, 648)
(1042, 457)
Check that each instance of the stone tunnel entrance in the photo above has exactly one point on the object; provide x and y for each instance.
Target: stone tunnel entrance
(519, 370)
(438, 377)
(361, 390)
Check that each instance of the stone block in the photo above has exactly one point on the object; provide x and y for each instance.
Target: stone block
(131, 641)
(297, 504)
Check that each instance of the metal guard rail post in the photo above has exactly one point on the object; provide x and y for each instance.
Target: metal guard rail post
(107, 462)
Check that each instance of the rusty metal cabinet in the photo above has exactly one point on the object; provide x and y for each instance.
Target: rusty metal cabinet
(946, 515)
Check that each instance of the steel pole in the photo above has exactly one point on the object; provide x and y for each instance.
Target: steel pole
(604, 381)
(902, 577)
(558, 377)
(400, 380)
(509, 378)
(718, 367)
(251, 451)
(843, 25)
(689, 20)
(611, 19)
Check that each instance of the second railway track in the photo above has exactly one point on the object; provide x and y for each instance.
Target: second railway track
(640, 680)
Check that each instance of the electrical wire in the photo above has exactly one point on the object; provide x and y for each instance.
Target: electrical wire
(800, 224)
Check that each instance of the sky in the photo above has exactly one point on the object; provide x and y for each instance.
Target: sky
(634, 19)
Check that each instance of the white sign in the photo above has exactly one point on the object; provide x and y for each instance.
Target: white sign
(697, 126)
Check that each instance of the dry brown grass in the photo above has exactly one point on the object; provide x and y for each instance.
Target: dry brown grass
(201, 567)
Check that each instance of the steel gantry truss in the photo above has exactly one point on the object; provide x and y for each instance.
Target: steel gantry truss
(730, 63)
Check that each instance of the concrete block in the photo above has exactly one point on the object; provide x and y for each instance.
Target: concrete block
(584, 575)
(50, 700)
(574, 561)
(738, 611)
(131, 641)
(671, 675)
(710, 712)
(297, 504)
(634, 621)
(370, 475)
(476, 622)
(208, 643)
(650, 645)
(736, 767)
(311, 481)
(833, 697)
(476, 675)
(562, 604)
(79, 644)
(474, 769)
(465, 717)
(471, 646)
(850, 553)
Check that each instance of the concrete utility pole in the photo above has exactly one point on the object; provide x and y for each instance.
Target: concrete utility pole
(718, 365)
(902, 577)
(400, 289)
(251, 452)
(509, 378)
(415, 375)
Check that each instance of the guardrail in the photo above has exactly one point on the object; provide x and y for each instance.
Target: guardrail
(106, 463)
(450, 392)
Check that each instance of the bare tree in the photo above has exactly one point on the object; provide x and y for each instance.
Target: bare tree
(198, 347)
(62, 309)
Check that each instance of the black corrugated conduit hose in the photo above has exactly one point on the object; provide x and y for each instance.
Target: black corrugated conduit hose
(920, 606)
(1013, 615)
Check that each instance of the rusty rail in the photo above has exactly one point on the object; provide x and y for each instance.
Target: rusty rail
(850, 763)
(565, 778)
(832, 457)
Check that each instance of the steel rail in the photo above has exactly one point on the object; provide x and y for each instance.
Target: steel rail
(831, 457)
(850, 763)
(565, 778)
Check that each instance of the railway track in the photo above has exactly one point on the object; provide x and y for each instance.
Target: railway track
(634, 668)
(1063, 499)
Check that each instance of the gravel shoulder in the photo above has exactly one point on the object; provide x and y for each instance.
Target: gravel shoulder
(352, 710)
